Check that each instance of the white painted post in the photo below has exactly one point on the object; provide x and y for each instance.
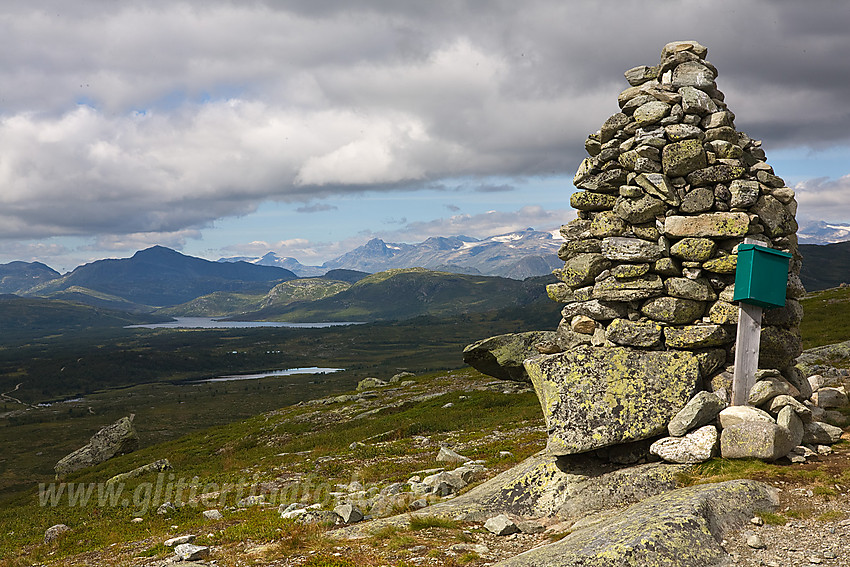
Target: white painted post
(746, 348)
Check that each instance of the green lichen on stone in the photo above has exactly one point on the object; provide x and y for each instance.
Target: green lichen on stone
(694, 249)
(587, 201)
(594, 397)
(698, 336)
(673, 310)
(722, 265)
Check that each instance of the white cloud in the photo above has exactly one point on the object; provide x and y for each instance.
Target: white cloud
(824, 199)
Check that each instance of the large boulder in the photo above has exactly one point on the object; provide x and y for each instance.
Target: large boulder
(116, 439)
(683, 527)
(594, 397)
(502, 356)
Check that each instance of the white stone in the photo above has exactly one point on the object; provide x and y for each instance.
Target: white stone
(740, 414)
(212, 515)
(695, 447)
(190, 552)
(501, 525)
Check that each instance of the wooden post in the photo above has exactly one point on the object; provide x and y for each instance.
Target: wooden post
(746, 352)
(746, 348)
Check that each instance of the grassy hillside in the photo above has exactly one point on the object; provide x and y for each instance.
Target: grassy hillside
(223, 304)
(406, 293)
(26, 318)
(826, 318)
(825, 266)
(299, 453)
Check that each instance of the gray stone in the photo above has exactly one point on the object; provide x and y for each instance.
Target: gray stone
(685, 288)
(827, 397)
(774, 216)
(370, 384)
(673, 310)
(693, 74)
(583, 269)
(349, 513)
(756, 440)
(697, 336)
(679, 132)
(633, 333)
(789, 316)
(723, 313)
(116, 439)
(765, 390)
(650, 113)
(694, 101)
(699, 200)
(444, 483)
(694, 249)
(680, 158)
(595, 309)
(821, 433)
(778, 348)
(633, 250)
(626, 271)
(188, 538)
(589, 201)
(643, 287)
(502, 356)
(695, 447)
(638, 211)
(55, 532)
(212, 515)
(710, 225)
(778, 402)
(501, 525)
(699, 411)
(156, 466)
(446, 455)
(734, 415)
(641, 74)
(719, 173)
(594, 397)
(682, 528)
(718, 119)
(744, 193)
(191, 552)
(789, 419)
(658, 185)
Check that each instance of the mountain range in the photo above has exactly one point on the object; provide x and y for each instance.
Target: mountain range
(516, 255)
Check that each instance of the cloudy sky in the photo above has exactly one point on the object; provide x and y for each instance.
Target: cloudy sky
(306, 127)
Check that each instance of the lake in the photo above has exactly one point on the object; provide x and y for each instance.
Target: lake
(210, 323)
(288, 372)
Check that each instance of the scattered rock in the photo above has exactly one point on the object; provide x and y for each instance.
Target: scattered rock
(178, 540)
(700, 410)
(370, 384)
(501, 525)
(191, 552)
(212, 515)
(349, 513)
(446, 455)
(116, 439)
(695, 447)
(55, 532)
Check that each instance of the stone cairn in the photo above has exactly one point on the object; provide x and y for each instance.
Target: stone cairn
(668, 192)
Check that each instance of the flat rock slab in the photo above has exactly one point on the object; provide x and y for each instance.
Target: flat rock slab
(594, 397)
(542, 485)
(502, 356)
(681, 528)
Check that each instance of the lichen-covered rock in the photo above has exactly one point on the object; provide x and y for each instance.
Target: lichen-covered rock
(596, 397)
(589, 201)
(733, 415)
(697, 336)
(709, 225)
(680, 158)
(774, 216)
(614, 289)
(583, 269)
(673, 310)
(821, 433)
(686, 288)
(681, 528)
(778, 347)
(695, 447)
(700, 410)
(630, 250)
(755, 440)
(722, 265)
(502, 356)
(645, 334)
(116, 439)
(694, 249)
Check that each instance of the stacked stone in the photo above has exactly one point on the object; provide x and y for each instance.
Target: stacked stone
(668, 192)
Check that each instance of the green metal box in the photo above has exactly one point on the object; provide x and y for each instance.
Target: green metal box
(761, 276)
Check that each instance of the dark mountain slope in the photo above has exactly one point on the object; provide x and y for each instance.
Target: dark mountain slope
(160, 276)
